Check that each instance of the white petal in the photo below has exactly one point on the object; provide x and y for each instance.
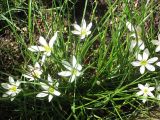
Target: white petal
(43, 59)
(82, 37)
(57, 93)
(76, 32)
(77, 27)
(78, 73)
(18, 83)
(49, 79)
(133, 44)
(130, 26)
(36, 48)
(147, 85)
(139, 93)
(155, 42)
(74, 61)
(88, 32)
(144, 100)
(152, 60)
(5, 85)
(158, 96)
(67, 65)
(79, 67)
(150, 67)
(89, 26)
(65, 73)
(37, 65)
(158, 48)
(151, 88)
(83, 24)
(150, 94)
(136, 63)
(42, 41)
(145, 54)
(11, 80)
(140, 86)
(139, 57)
(142, 69)
(12, 99)
(159, 37)
(41, 94)
(52, 41)
(4, 95)
(72, 78)
(50, 97)
(158, 64)
(142, 46)
(27, 76)
(134, 35)
(44, 86)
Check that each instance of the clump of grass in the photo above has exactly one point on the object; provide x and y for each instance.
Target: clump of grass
(90, 75)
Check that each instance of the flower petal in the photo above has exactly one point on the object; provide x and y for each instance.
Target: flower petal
(11, 80)
(155, 42)
(139, 93)
(151, 88)
(67, 65)
(65, 73)
(37, 65)
(79, 67)
(140, 86)
(150, 67)
(159, 37)
(57, 93)
(145, 54)
(74, 61)
(50, 97)
(76, 32)
(82, 37)
(83, 24)
(72, 78)
(44, 86)
(53, 39)
(139, 57)
(77, 27)
(130, 26)
(157, 49)
(5, 85)
(142, 69)
(150, 94)
(152, 60)
(89, 26)
(49, 79)
(158, 64)
(136, 63)
(42, 41)
(41, 94)
(36, 48)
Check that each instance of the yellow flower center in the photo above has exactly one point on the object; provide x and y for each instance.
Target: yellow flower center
(35, 73)
(74, 71)
(47, 48)
(13, 88)
(51, 90)
(83, 32)
(145, 91)
(143, 62)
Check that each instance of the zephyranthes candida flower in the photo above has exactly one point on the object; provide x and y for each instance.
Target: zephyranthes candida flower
(12, 87)
(144, 62)
(34, 72)
(137, 35)
(73, 70)
(146, 91)
(157, 43)
(49, 89)
(45, 47)
(83, 30)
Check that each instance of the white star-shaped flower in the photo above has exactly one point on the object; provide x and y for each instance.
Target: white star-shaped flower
(34, 72)
(157, 43)
(45, 47)
(144, 62)
(12, 87)
(83, 30)
(73, 70)
(136, 34)
(145, 91)
(49, 89)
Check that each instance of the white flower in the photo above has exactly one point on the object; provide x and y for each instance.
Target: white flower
(82, 31)
(157, 42)
(34, 72)
(73, 70)
(46, 48)
(49, 89)
(158, 96)
(145, 91)
(12, 88)
(144, 62)
(136, 34)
